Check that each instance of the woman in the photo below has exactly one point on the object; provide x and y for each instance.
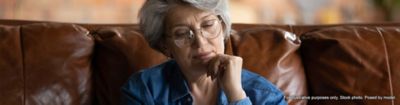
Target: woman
(192, 34)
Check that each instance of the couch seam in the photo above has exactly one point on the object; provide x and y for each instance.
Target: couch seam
(387, 61)
(23, 64)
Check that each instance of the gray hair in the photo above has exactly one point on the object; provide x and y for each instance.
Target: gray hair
(153, 13)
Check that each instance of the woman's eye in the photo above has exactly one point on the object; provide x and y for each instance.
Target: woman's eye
(182, 33)
(208, 23)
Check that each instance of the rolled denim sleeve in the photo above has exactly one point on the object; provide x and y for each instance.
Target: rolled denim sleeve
(260, 91)
(245, 101)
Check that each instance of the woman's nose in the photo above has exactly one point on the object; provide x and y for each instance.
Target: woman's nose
(199, 41)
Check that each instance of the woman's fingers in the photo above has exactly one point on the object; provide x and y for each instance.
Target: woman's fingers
(221, 70)
(213, 66)
(217, 66)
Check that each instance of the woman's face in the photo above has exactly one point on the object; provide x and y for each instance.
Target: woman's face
(193, 37)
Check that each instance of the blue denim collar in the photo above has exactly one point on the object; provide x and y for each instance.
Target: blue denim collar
(179, 88)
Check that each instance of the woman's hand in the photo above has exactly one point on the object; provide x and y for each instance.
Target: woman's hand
(227, 70)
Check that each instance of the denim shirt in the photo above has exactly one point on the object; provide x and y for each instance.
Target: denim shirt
(165, 85)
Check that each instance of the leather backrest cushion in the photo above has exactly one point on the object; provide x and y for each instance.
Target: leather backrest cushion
(11, 69)
(119, 52)
(353, 61)
(273, 53)
(56, 64)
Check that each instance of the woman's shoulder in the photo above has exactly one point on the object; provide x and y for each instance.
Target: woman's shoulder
(146, 83)
(151, 78)
(154, 73)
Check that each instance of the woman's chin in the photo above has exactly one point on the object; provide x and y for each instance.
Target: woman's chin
(202, 62)
(200, 66)
(205, 61)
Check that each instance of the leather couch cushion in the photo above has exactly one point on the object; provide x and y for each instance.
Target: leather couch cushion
(272, 51)
(119, 52)
(57, 64)
(352, 61)
(11, 66)
(45, 64)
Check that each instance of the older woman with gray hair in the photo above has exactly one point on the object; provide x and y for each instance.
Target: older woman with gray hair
(192, 33)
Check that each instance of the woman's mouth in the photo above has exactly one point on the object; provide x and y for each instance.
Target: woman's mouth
(204, 56)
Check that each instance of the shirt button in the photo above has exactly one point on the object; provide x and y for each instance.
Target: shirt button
(189, 100)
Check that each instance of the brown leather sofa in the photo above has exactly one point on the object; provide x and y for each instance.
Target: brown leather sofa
(50, 63)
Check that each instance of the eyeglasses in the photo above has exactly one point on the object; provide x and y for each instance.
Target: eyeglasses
(185, 36)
